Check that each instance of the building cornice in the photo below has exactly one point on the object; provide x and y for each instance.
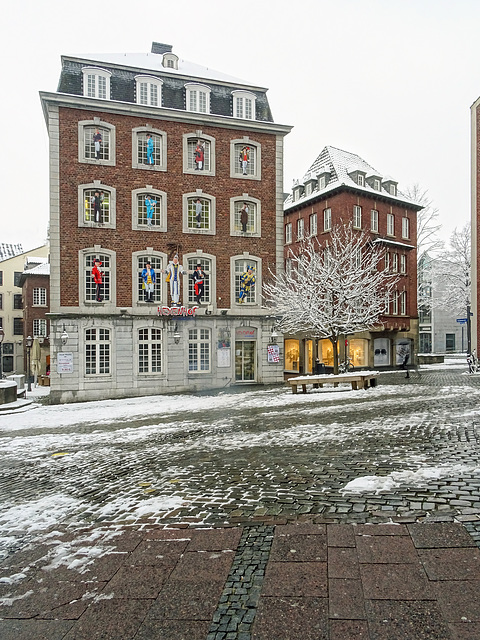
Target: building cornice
(159, 113)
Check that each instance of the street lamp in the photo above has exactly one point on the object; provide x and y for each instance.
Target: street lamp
(2, 335)
(29, 342)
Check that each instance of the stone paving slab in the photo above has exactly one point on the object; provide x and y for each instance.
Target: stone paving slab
(388, 582)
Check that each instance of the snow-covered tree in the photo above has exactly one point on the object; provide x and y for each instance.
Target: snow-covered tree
(427, 222)
(452, 271)
(333, 290)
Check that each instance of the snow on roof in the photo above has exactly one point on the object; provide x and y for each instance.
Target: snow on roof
(340, 164)
(153, 62)
(9, 250)
(42, 269)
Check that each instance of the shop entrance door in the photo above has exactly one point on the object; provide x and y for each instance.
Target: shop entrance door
(245, 352)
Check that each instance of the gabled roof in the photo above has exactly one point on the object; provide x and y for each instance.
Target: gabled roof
(42, 269)
(339, 164)
(9, 250)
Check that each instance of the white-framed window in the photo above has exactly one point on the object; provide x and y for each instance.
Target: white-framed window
(308, 189)
(197, 98)
(313, 224)
(170, 60)
(245, 159)
(288, 267)
(392, 188)
(97, 351)
(405, 228)
(300, 229)
(327, 219)
(149, 91)
(149, 149)
(149, 209)
(403, 303)
(157, 264)
(150, 350)
(403, 263)
(199, 213)
(96, 205)
(390, 224)
(322, 182)
(88, 284)
(395, 262)
(374, 220)
(244, 105)
(198, 153)
(96, 83)
(395, 303)
(199, 359)
(39, 297)
(357, 217)
(387, 261)
(96, 142)
(206, 266)
(39, 328)
(245, 216)
(246, 285)
(288, 233)
(361, 180)
(377, 185)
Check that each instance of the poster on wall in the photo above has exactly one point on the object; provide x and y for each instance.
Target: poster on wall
(64, 362)
(273, 353)
(223, 357)
(402, 349)
(381, 354)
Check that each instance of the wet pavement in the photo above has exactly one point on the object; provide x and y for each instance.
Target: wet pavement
(233, 520)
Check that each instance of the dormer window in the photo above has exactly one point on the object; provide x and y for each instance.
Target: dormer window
(244, 105)
(391, 187)
(376, 184)
(197, 98)
(170, 61)
(149, 91)
(96, 83)
(361, 180)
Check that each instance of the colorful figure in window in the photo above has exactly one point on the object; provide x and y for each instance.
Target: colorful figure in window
(174, 271)
(198, 212)
(247, 282)
(150, 206)
(97, 276)
(199, 155)
(244, 157)
(148, 276)
(96, 204)
(150, 148)
(244, 217)
(97, 141)
(198, 277)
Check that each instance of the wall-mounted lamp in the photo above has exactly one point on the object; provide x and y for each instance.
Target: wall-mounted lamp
(64, 336)
(176, 335)
(172, 327)
(273, 336)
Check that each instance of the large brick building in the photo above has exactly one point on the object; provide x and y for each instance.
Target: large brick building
(128, 126)
(473, 326)
(341, 188)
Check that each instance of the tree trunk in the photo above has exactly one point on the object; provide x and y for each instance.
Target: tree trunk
(334, 342)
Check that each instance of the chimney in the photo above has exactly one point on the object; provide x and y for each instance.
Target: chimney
(159, 47)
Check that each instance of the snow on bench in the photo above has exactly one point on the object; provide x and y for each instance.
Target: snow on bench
(358, 380)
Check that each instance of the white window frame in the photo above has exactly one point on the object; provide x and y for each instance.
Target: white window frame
(403, 303)
(405, 228)
(374, 220)
(300, 229)
(288, 233)
(395, 303)
(255, 208)
(403, 263)
(39, 297)
(160, 289)
(101, 77)
(153, 86)
(236, 145)
(313, 224)
(377, 185)
(88, 255)
(211, 230)
(160, 146)
(96, 123)
(395, 262)
(322, 182)
(327, 219)
(357, 216)
(254, 295)
(98, 343)
(243, 105)
(187, 156)
(198, 339)
(193, 100)
(40, 328)
(360, 180)
(390, 224)
(161, 207)
(96, 185)
(387, 261)
(211, 273)
(149, 343)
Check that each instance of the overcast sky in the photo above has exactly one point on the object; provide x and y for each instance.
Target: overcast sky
(389, 80)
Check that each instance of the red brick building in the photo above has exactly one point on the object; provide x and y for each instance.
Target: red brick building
(127, 127)
(341, 188)
(473, 322)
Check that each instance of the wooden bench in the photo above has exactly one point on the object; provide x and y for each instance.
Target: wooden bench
(358, 380)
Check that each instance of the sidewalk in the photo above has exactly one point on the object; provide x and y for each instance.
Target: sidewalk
(261, 582)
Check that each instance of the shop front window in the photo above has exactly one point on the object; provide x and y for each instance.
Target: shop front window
(292, 355)
(359, 352)
(326, 349)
